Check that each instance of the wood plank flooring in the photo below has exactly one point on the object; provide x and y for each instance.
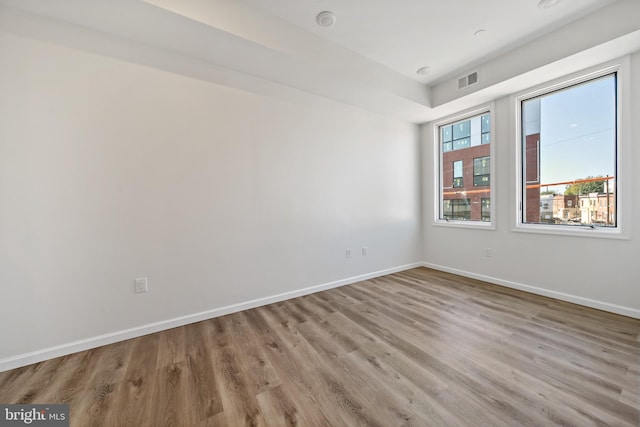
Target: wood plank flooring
(417, 348)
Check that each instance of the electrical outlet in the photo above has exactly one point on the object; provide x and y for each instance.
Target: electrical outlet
(487, 252)
(141, 285)
(364, 251)
(347, 253)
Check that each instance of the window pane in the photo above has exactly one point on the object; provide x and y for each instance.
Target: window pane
(486, 123)
(481, 171)
(463, 184)
(457, 209)
(457, 169)
(486, 209)
(457, 174)
(481, 180)
(462, 130)
(461, 143)
(447, 133)
(569, 155)
(486, 138)
(481, 166)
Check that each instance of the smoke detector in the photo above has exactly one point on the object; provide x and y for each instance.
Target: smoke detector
(326, 19)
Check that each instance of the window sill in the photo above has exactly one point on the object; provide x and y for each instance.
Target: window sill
(576, 231)
(478, 225)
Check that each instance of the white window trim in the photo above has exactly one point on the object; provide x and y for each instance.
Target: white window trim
(481, 225)
(623, 152)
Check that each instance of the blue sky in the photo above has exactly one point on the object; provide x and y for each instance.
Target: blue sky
(578, 132)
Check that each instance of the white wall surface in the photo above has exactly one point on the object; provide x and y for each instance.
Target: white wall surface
(598, 272)
(111, 170)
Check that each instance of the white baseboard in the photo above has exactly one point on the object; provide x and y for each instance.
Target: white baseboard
(100, 340)
(600, 305)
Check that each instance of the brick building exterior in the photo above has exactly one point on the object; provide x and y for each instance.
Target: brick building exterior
(466, 169)
(532, 178)
(597, 208)
(468, 189)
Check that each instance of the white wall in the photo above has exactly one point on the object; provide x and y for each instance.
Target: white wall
(592, 271)
(111, 170)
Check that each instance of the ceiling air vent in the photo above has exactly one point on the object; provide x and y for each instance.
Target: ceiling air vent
(468, 80)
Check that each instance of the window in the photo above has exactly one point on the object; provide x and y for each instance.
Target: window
(486, 128)
(481, 171)
(464, 157)
(458, 177)
(457, 209)
(446, 138)
(569, 151)
(486, 209)
(457, 136)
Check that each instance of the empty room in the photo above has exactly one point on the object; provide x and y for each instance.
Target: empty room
(319, 213)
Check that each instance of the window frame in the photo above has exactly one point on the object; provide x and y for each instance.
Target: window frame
(623, 151)
(488, 108)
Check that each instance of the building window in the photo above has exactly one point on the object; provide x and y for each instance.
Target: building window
(486, 209)
(457, 209)
(456, 136)
(569, 149)
(481, 171)
(485, 121)
(458, 176)
(464, 153)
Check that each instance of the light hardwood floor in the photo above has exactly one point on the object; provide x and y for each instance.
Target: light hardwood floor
(417, 348)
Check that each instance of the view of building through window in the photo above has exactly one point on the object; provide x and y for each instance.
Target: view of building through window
(465, 169)
(569, 155)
